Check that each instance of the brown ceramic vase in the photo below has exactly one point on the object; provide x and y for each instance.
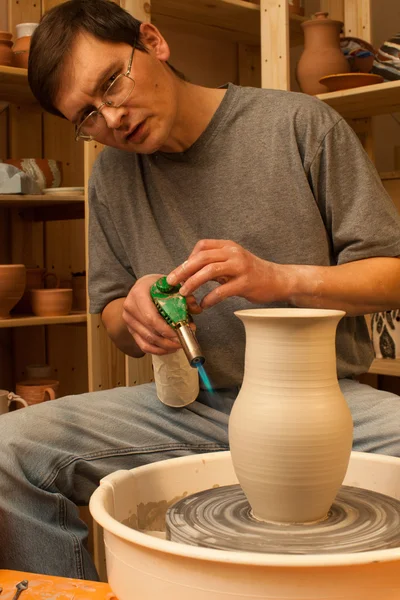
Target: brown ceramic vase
(6, 54)
(322, 54)
(12, 286)
(54, 302)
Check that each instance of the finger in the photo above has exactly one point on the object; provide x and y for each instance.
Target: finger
(219, 271)
(153, 338)
(193, 305)
(220, 293)
(209, 245)
(197, 262)
(148, 348)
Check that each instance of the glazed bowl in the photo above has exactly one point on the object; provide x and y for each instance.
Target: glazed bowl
(12, 286)
(46, 172)
(54, 302)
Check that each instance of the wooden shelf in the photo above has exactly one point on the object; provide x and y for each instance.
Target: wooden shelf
(30, 320)
(239, 18)
(14, 86)
(385, 366)
(363, 102)
(37, 200)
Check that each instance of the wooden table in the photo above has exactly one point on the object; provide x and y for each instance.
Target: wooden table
(43, 587)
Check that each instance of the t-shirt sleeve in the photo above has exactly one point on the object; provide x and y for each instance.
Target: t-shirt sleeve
(110, 274)
(359, 214)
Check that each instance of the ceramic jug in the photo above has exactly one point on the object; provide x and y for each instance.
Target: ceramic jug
(290, 429)
(322, 54)
(5, 400)
(22, 44)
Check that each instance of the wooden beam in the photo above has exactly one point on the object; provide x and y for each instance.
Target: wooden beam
(275, 68)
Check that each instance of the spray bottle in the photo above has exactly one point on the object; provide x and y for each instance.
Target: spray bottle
(176, 375)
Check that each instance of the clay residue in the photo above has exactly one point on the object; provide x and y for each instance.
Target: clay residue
(151, 516)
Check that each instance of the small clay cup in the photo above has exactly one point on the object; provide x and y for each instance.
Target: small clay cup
(38, 371)
(54, 302)
(34, 391)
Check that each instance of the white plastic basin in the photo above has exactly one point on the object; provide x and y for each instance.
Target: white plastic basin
(144, 566)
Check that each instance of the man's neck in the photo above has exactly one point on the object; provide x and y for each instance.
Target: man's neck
(196, 107)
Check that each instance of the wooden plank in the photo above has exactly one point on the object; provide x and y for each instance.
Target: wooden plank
(249, 65)
(65, 248)
(32, 200)
(77, 317)
(59, 143)
(335, 8)
(29, 348)
(357, 19)
(66, 212)
(275, 68)
(66, 353)
(368, 101)
(106, 364)
(139, 370)
(234, 15)
(386, 366)
(14, 86)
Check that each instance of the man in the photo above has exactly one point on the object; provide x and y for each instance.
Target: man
(251, 198)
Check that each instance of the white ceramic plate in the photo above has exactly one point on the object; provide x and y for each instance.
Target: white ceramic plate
(64, 190)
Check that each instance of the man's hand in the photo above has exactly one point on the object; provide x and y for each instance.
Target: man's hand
(148, 328)
(238, 271)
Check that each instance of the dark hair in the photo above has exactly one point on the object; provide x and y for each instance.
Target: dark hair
(58, 28)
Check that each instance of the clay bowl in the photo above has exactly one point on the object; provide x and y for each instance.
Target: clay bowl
(46, 172)
(346, 81)
(54, 302)
(5, 35)
(12, 286)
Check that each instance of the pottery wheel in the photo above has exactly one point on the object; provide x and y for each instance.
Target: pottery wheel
(359, 520)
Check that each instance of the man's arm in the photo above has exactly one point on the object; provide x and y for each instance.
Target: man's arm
(117, 329)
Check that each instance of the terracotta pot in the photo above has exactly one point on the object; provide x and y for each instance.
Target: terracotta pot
(21, 47)
(35, 391)
(52, 302)
(34, 280)
(290, 429)
(44, 171)
(12, 286)
(322, 54)
(6, 54)
(5, 35)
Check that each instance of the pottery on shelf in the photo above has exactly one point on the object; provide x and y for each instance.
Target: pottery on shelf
(35, 391)
(38, 371)
(46, 172)
(290, 429)
(12, 286)
(385, 327)
(53, 302)
(346, 81)
(20, 49)
(387, 59)
(6, 54)
(6, 398)
(322, 54)
(359, 54)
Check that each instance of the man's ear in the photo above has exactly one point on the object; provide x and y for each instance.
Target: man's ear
(154, 41)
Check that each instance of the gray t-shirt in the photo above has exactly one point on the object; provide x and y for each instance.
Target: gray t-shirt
(280, 173)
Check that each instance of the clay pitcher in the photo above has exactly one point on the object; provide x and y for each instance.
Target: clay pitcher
(322, 54)
(290, 429)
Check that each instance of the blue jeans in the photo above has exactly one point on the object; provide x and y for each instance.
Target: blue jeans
(53, 455)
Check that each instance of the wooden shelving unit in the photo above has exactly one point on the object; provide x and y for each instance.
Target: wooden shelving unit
(385, 366)
(30, 320)
(14, 86)
(37, 200)
(368, 101)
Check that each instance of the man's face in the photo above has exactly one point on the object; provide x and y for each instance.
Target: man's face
(145, 121)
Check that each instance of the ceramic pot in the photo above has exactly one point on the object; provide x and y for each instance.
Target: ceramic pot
(5, 401)
(21, 47)
(5, 35)
(387, 59)
(6, 54)
(322, 54)
(290, 429)
(53, 302)
(12, 286)
(385, 328)
(38, 371)
(35, 391)
(34, 280)
(45, 172)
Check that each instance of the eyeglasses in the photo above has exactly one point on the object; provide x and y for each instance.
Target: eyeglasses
(115, 95)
